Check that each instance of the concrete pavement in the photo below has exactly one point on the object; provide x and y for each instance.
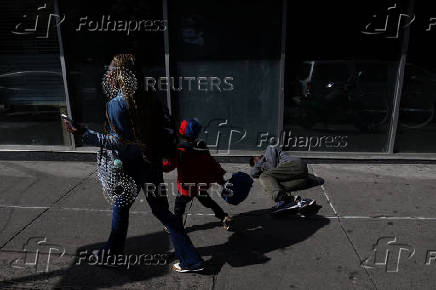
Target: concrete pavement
(375, 231)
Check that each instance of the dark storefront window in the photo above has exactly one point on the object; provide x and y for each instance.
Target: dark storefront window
(342, 71)
(340, 75)
(417, 123)
(231, 51)
(32, 94)
(93, 32)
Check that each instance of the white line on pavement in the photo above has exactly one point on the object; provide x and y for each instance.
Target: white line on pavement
(24, 207)
(328, 199)
(357, 217)
(324, 191)
(389, 217)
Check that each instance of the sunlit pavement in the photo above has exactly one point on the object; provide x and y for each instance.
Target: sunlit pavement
(375, 230)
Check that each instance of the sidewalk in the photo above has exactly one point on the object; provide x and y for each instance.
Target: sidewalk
(375, 231)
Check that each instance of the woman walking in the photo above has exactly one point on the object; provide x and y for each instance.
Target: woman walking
(136, 132)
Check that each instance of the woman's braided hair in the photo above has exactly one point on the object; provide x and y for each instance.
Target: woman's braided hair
(122, 78)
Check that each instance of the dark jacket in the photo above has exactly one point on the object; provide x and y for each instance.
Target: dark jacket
(121, 137)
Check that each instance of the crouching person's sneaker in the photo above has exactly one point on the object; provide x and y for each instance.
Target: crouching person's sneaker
(305, 202)
(288, 206)
(176, 267)
(308, 207)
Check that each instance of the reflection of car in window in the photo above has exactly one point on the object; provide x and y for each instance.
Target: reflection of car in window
(32, 88)
(31, 96)
(418, 98)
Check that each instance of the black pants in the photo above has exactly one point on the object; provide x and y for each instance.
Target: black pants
(204, 199)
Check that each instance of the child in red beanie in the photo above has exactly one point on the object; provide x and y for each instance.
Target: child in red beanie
(196, 170)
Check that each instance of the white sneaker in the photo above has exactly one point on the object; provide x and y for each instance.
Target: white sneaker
(176, 267)
(306, 202)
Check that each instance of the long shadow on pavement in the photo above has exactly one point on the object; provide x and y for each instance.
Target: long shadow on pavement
(257, 233)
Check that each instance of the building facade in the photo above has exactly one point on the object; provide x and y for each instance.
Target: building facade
(336, 77)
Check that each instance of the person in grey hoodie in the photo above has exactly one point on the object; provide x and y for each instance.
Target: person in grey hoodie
(280, 174)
